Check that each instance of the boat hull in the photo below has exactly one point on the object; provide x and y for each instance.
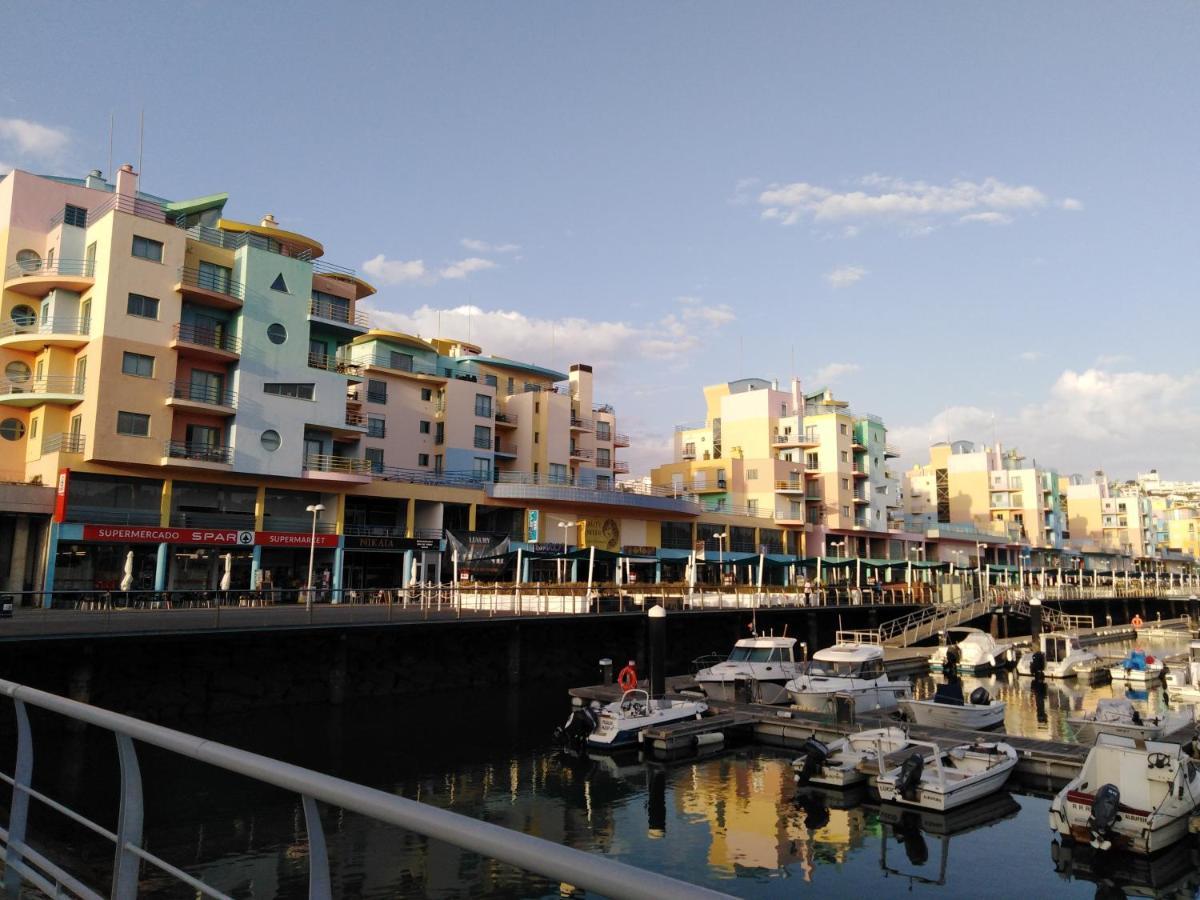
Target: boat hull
(1134, 834)
(1087, 729)
(772, 692)
(947, 715)
(883, 696)
(616, 731)
(940, 801)
(1135, 676)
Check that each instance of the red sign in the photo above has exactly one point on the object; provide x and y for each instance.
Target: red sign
(150, 534)
(293, 539)
(60, 497)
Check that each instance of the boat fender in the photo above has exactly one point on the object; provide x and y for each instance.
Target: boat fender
(627, 680)
(909, 779)
(980, 697)
(710, 739)
(1105, 806)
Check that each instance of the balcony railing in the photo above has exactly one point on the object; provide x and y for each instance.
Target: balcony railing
(620, 467)
(620, 440)
(504, 450)
(582, 424)
(146, 209)
(506, 418)
(332, 364)
(483, 443)
(382, 360)
(580, 453)
(789, 485)
(77, 268)
(202, 393)
(320, 462)
(226, 519)
(690, 426)
(64, 442)
(335, 312)
(217, 282)
(204, 336)
(49, 384)
(322, 267)
(368, 530)
(198, 451)
(55, 325)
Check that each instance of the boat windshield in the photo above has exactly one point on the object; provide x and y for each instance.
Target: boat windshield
(825, 668)
(756, 654)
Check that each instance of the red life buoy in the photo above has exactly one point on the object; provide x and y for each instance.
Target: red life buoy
(628, 678)
(1136, 621)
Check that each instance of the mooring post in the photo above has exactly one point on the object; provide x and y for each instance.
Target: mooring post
(606, 670)
(656, 803)
(1194, 610)
(514, 655)
(658, 651)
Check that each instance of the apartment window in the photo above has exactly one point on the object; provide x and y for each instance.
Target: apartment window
(423, 426)
(289, 389)
(483, 406)
(558, 473)
(33, 427)
(511, 387)
(423, 459)
(135, 424)
(752, 474)
(842, 427)
(374, 457)
(752, 507)
(845, 484)
(426, 394)
(401, 362)
(603, 458)
(483, 468)
(439, 464)
(845, 456)
(12, 429)
(439, 433)
(603, 482)
(213, 277)
(376, 391)
(137, 364)
(145, 248)
(142, 306)
(376, 427)
(537, 437)
(75, 215)
(783, 409)
(276, 333)
(279, 284)
(603, 431)
(845, 510)
(483, 437)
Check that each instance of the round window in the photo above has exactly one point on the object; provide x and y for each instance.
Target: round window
(23, 315)
(270, 440)
(16, 371)
(12, 429)
(28, 260)
(276, 333)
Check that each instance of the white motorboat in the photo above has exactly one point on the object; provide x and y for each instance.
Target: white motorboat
(619, 724)
(1119, 716)
(766, 663)
(1183, 682)
(937, 779)
(947, 709)
(849, 760)
(971, 651)
(1138, 667)
(1059, 655)
(1131, 794)
(852, 666)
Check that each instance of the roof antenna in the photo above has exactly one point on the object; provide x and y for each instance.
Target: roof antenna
(112, 120)
(141, 137)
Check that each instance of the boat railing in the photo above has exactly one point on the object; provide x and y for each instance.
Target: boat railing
(858, 637)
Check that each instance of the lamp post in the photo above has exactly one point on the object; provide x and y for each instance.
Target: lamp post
(721, 537)
(565, 525)
(980, 549)
(316, 509)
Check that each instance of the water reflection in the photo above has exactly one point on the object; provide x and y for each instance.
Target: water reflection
(1174, 873)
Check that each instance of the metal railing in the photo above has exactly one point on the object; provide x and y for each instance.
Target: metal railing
(483, 443)
(332, 364)
(383, 361)
(619, 439)
(505, 418)
(204, 336)
(620, 467)
(202, 393)
(134, 206)
(198, 451)
(323, 267)
(217, 282)
(53, 325)
(504, 450)
(228, 519)
(360, 530)
(76, 268)
(580, 453)
(108, 515)
(24, 863)
(47, 384)
(334, 312)
(64, 442)
(321, 462)
(357, 420)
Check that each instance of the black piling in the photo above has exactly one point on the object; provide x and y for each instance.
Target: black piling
(658, 650)
(1194, 609)
(1035, 620)
(606, 670)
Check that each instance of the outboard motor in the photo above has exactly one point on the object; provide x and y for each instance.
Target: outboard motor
(580, 724)
(908, 832)
(1136, 717)
(980, 697)
(910, 776)
(815, 754)
(953, 658)
(816, 812)
(1037, 665)
(1105, 806)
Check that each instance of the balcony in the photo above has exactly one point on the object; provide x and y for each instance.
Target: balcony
(327, 363)
(688, 454)
(134, 206)
(213, 289)
(891, 451)
(197, 453)
(60, 331)
(202, 398)
(483, 443)
(580, 453)
(356, 419)
(547, 489)
(861, 498)
(620, 440)
(578, 424)
(212, 344)
(709, 487)
(38, 277)
(504, 451)
(63, 390)
(859, 471)
(64, 442)
(790, 487)
(338, 316)
(396, 366)
(807, 440)
(505, 419)
(337, 468)
(620, 467)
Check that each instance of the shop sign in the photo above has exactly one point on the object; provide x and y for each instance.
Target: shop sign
(149, 534)
(532, 519)
(546, 548)
(634, 550)
(384, 542)
(60, 495)
(293, 539)
(603, 534)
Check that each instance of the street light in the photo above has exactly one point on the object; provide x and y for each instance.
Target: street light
(316, 509)
(980, 549)
(721, 537)
(563, 571)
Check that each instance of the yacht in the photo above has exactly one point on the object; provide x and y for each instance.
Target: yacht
(1131, 795)
(619, 724)
(970, 651)
(1183, 682)
(853, 666)
(1138, 668)
(1119, 716)
(937, 779)
(1061, 656)
(948, 709)
(849, 760)
(767, 663)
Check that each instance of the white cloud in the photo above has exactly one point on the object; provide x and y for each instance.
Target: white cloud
(1071, 204)
(1031, 355)
(32, 138)
(988, 218)
(395, 271)
(851, 231)
(830, 373)
(1109, 360)
(465, 267)
(884, 198)
(694, 309)
(477, 246)
(844, 276)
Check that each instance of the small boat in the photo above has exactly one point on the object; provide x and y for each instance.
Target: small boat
(1138, 667)
(620, 723)
(947, 709)
(970, 651)
(849, 760)
(1131, 794)
(1059, 655)
(937, 779)
(1183, 682)
(766, 663)
(852, 666)
(1119, 716)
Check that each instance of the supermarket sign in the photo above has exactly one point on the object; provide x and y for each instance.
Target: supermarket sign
(231, 537)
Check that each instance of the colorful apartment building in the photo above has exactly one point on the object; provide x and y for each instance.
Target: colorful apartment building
(205, 392)
(1110, 519)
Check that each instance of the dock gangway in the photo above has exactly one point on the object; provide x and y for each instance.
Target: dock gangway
(926, 623)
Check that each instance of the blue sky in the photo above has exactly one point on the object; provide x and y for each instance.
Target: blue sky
(969, 219)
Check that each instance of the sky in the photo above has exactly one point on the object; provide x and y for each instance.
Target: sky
(978, 221)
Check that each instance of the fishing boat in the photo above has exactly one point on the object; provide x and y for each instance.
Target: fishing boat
(947, 709)
(1183, 682)
(620, 723)
(853, 666)
(764, 664)
(1119, 716)
(970, 651)
(1130, 795)
(847, 761)
(937, 779)
(1138, 667)
(1059, 655)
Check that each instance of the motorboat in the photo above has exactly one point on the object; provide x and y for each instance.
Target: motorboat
(1183, 682)
(1130, 795)
(764, 664)
(970, 651)
(938, 779)
(853, 666)
(1059, 655)
(1119, 716)
(948, 709)
(847, 761)
(1138, 667)
(620, 723)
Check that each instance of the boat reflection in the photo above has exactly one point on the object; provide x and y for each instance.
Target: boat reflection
(1173, 873)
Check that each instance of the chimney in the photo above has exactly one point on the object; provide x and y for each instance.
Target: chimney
(127, 181)
(95, 179)
(268, 221)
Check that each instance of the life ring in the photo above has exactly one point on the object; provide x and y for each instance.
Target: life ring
(627, 679)
(1136, 621)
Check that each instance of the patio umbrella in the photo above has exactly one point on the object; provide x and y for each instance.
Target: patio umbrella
(227, 578)
(416, 571)
(591, 567)
(517, 580)
(617, 573)
(455, 560)
(127, 579)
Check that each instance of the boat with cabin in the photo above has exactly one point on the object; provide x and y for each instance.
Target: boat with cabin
(971, 651)
(847, 761)
(1138, 667)
(948, 709)
(852, 667)
(940, 779)
(764, 663)
(1059, 655)
(1119, 716)
(1183, 682)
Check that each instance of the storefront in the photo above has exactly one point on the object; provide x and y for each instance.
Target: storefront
(377, 562)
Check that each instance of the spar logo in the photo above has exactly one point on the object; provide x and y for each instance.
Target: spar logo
(245, 538)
